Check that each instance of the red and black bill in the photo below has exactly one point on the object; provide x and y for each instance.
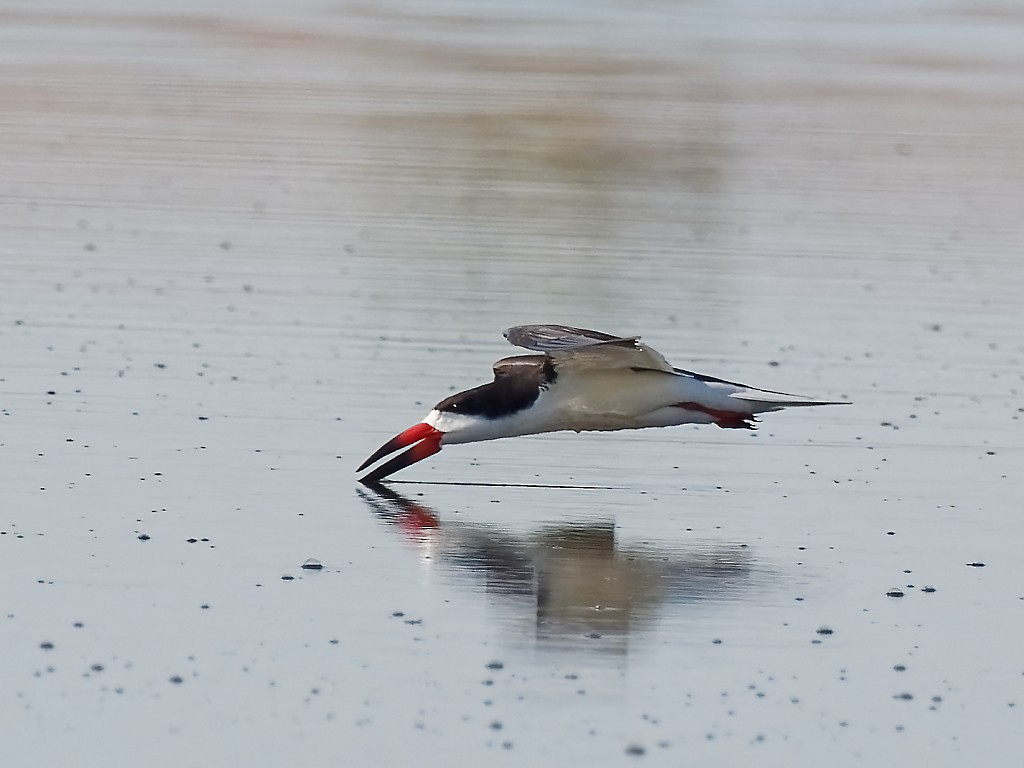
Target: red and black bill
(428, 442)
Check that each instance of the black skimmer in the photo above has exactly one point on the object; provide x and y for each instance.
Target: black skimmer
(582, 380)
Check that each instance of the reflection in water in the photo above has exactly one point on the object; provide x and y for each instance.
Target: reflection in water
(573, 579)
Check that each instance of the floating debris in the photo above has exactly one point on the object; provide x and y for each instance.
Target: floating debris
(312, 564)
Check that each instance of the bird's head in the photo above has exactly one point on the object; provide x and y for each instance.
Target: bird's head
(498, 409)
(483, 413)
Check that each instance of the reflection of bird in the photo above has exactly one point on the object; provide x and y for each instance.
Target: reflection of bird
(584, 380)
(572, 581)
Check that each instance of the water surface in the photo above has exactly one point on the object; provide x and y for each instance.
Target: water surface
(244, 245)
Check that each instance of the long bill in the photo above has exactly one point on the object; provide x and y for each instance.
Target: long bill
(428, 442)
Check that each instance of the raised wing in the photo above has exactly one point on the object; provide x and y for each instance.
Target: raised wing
(583, 348)
(555, 338)
(532, 365)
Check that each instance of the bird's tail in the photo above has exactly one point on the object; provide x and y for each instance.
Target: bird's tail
(760, 401)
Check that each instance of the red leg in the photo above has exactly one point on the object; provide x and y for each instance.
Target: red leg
(722, 418)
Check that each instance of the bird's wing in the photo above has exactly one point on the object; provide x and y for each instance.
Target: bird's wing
(554, 338)
(520, 364)
(587, 349)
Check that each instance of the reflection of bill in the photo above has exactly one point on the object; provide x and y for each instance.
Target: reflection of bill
(582, 584)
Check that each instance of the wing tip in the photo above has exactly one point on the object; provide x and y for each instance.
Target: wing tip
(553, 337)
(751, 396)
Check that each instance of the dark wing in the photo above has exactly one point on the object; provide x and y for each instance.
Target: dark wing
(558, 338)
(582, 349)
(525, 365)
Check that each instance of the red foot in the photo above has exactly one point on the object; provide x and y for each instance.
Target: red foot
(724, 419)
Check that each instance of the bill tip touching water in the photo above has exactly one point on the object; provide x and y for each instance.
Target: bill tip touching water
(580, 380)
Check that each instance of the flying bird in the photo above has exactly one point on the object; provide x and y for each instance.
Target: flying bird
(582, 381)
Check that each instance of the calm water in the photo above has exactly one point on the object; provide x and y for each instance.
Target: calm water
(244, 245)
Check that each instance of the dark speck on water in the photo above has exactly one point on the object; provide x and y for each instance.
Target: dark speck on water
(975, 565)
(635, 750)
(495, 665)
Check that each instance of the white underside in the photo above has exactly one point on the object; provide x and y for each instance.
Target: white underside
(610, 399)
